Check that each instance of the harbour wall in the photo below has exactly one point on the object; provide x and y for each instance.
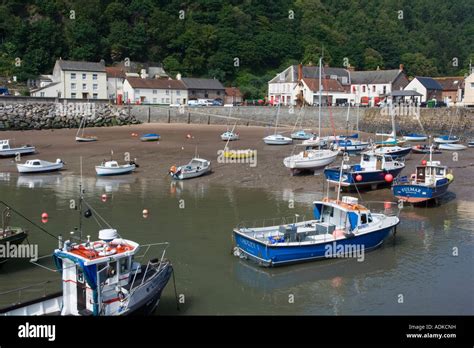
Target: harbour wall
(68, 114)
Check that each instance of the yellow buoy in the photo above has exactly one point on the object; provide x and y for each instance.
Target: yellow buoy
(450, 177)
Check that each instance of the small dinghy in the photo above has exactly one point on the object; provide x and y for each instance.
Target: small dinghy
(277, 139)
(452, 147)
(415, 137)
(424, 149)
(446, 139)
(196, 167)
(39, 166)
(470, 143)
(301, 135)
(113, 168)
(6, 150)
(229, 136)
(150, 137)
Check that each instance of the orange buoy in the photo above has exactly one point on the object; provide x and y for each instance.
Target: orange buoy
(358, 177)
(424, 162)
(103, 198)
(389, 178)
(44, 215)
(173, 169)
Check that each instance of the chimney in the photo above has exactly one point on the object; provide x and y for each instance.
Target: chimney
(300, 72)
(351, 68)
(401, 67)
(378, 67)
(178, 76)
(102, 62)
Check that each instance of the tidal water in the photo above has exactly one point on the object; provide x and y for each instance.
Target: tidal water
(428, 268)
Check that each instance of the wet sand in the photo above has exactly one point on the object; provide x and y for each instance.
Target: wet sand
(175, 148)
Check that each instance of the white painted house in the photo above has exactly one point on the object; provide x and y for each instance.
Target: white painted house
(287, 87)
(115, 79)
(370, 86)
(468, 98)
(427, 86)
(137, 90)
(75, 80)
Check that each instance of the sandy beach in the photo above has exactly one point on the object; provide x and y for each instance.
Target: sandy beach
(176, 148)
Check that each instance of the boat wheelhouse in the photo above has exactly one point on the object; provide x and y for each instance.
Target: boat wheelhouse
(339, 228)
(196, 167)
(373, 169)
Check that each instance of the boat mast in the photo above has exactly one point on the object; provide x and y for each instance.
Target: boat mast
(392, 114)
(80, 201)
(319, 109)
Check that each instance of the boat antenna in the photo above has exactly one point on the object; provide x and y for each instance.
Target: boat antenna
(81, 198)
(319, 106)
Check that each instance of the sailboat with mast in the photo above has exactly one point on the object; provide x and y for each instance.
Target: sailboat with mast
(349, 144)
(276, 138)
(80, 137)
(312, 159)
(300, 134)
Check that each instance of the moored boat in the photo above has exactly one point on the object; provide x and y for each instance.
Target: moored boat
(430, 181)
(310, 159)
(446, 139)
(350, 146)
(196, 167)
(301, 135)
(113, 168)
(229, 136)
(9, 235)
(6, 150)
(424, 149)
(80, 137)
(415, 137)
(277, 139)
(39, 166)
(339, 228)
(452, 147)
(470, 143)
(150, 137)
(394, 151)
(373, 169)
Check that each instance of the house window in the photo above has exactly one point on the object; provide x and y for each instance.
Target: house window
(73, 76)
(94, 76)
(155, 92)
(472, 84)
(95, 87)
(155, 100)
(41, 94)
(373, 88)
(167, 100)
(95, 96)
(218, 92)
(162, 100)
(73, 95)
(137, 91)
(84, 76)
(178, 100)
(363, 89)
(84, 86)
(384, 89)
(178, 92)
(167, 92)
(73, 86)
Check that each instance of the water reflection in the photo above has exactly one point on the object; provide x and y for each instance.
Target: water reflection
(39, 180)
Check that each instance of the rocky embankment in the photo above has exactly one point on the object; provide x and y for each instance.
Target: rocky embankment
(59, 115)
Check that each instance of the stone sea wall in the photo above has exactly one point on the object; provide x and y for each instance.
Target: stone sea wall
(62, 115)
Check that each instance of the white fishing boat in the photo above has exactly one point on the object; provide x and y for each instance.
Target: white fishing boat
(80, 137)
(113, 168)
(7, 150)
(39, 166)
(310, 159)
(452, 147)
(196, 167)
(229, 136)
(277, 139)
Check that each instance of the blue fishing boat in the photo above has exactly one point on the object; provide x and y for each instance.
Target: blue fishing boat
(150, 137)
(301, 135)
(339, 229)
(395, 152)
(430, 181)
(373, 169)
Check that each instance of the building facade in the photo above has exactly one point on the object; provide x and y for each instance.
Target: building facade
(137, 90)
(203, 88)
(452, 89)
(427, 86)
(468, 99)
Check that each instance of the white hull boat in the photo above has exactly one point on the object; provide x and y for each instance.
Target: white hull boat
(415, 137)
(452, 147)
(196, 167)
(113, 168)
(86, 139)
(470, 143)
(446, 139)
(39, 166)
(315, 141)
(229, 136)
(310, 159)
(277, 139)
(6, 150)
(80, 137)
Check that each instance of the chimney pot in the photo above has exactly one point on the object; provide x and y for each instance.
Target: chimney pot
(401, 67)
(300, 71)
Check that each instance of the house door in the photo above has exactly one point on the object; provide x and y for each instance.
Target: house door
(81, 289)
(84, 95)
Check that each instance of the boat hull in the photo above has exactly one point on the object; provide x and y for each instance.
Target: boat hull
(274, 255)
(15, 239)
(103, 171)
(23, 169)
(452, 147)
(190, 175)
(294, 162)
(278, 141)
(368, 178)
(20, 150)
(417, 193)
(394, 154)
(85, 140)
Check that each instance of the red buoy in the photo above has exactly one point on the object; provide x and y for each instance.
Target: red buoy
(389, 178)
(44, 220)
(44, 216)
(145, 213)
(358, 177)
(103, 198)
(423, 163)
(387, 205)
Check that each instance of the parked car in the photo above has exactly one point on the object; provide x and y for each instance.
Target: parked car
(440, 104)
(193, 103)
(217, 102)
(204, 102)
(4, 91)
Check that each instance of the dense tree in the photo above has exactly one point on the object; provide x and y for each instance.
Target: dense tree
(241, 42)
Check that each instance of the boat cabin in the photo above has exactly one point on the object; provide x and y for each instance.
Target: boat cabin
(110, 164)
(371, 161)
(5, 144)
(430, 173)
(36, 163)
(97, 276)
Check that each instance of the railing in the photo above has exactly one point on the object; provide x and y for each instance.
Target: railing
(387, 208)
(19, 290)
(267, 222)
